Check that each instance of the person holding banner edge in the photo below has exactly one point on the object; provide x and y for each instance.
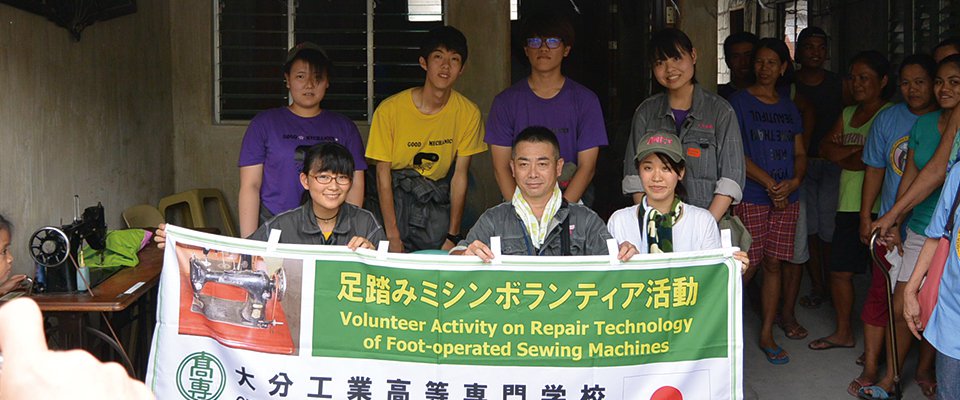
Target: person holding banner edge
(537, 221)
(326, 219)
(670, 224)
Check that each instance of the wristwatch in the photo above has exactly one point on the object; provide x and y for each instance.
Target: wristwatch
(455, 238)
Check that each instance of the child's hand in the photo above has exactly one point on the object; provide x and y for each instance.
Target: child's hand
(11, 283)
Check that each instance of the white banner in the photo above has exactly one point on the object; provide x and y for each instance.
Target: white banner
(239, 319)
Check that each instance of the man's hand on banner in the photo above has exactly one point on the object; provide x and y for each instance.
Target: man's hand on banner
(479, 249)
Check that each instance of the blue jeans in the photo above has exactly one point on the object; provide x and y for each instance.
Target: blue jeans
(948, 377)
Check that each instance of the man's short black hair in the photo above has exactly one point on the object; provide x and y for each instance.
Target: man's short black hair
(548, 25)
(444, 37)
(737, 38)
(537, 134)
(811, 32)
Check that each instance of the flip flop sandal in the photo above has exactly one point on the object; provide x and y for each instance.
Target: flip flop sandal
(776, 356)
(928, 387)
(876, 392)
(855, 385)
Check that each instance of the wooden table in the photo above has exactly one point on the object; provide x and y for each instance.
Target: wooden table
(108, 295)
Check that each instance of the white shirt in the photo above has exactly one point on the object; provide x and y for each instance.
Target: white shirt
(696, 230)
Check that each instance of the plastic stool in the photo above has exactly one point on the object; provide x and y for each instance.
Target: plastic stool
(142, 216)
(194, 211)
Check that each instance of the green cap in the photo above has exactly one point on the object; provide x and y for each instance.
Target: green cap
(660, 142)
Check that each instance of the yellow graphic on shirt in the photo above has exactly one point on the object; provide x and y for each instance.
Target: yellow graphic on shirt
(898, 155)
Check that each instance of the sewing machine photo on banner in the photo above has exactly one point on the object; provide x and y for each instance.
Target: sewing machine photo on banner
(239, 300)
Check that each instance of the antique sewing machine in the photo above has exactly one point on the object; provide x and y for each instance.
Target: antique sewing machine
(56, 250)
(258, 286)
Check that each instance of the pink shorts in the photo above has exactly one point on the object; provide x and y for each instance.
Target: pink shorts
(773, 230)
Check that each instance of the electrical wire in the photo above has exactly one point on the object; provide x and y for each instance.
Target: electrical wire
(123, 352)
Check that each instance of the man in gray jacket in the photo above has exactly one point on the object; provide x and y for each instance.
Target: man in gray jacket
(537, 221)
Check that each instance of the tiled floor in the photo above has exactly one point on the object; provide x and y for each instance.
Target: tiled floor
(810, 375)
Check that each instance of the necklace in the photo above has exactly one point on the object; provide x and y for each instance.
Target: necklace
(328, 219)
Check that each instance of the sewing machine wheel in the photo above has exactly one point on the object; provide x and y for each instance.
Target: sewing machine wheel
(280, 284)
(49, 246)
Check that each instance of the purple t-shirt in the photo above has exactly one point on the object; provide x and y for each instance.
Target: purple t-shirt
(574, 115)
(769, 132)
(273, 139)
(678, 117)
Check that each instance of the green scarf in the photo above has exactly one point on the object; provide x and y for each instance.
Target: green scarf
(659, 227)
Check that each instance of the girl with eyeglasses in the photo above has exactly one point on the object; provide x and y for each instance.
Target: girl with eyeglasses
(325, 217)
(548, 98)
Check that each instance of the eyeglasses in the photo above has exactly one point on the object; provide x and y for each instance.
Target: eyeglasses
(551, 42)
(324, 179)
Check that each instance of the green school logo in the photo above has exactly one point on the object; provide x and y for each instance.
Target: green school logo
(200, 376)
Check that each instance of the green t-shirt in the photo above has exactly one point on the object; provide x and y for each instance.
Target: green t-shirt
(924, 138)
(851, 182)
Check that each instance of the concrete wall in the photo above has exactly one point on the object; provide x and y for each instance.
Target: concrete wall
(486, 23)
(698, 19)
(205, 154)
(90, 118)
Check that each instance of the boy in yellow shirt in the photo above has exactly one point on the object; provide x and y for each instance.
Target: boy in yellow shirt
(416, 137)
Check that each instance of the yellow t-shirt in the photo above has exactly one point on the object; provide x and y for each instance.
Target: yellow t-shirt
(428, 144)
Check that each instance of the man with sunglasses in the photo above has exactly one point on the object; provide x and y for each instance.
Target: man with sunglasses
(550, 99)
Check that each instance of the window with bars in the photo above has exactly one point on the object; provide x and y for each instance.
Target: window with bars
(919, 25)
(252, 38)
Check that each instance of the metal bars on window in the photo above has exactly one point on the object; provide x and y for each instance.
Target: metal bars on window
(374, 46)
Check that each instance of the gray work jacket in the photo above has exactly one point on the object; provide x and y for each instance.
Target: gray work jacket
(588, 232)
(299, 226)
(712, 146)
